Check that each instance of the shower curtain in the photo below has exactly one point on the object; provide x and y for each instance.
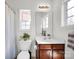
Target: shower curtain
(9, 33)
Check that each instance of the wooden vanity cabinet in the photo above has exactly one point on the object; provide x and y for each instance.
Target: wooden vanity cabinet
(50, 51)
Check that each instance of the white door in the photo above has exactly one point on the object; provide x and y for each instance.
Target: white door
(10, 34)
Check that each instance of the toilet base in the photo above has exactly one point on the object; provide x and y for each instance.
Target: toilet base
(23, 55)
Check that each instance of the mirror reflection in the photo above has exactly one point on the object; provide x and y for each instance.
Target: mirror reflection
(42, 23)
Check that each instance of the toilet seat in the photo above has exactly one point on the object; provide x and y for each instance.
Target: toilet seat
(23, 55)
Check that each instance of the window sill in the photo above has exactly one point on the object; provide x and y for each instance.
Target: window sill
(67, 26)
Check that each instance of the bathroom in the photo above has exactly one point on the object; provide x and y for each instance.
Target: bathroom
(44, 16)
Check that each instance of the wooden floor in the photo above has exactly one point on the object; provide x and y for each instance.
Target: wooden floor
(33, 58)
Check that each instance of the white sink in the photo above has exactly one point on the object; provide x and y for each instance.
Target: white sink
(49, 41)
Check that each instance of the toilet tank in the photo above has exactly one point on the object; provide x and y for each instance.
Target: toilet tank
(24, 45)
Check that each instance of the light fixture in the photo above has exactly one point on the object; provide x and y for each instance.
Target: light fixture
(43, 7)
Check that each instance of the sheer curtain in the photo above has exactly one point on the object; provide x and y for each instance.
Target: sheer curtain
(10, 34)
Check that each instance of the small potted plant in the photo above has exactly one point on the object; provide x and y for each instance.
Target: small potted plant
(44, 34)
(25, 36)
(24, 41)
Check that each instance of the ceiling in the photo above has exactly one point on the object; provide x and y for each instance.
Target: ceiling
(17, 4)
(29, 4)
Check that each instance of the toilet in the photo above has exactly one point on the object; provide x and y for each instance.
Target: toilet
(24, 47)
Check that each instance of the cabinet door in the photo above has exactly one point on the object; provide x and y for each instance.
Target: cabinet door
(58, 54)
(45, 54)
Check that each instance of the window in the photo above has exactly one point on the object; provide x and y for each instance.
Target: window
(70, 15)
(68, 8)
(25, 19)
(45, 22)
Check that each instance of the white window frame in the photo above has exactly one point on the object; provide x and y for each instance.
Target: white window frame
(22, 11)
(65, 16)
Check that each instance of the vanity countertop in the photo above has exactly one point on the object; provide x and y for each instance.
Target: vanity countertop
(50, 41)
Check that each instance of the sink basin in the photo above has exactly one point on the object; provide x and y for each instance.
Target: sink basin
(49, 41)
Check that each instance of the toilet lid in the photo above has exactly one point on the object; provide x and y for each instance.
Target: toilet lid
(23, 55)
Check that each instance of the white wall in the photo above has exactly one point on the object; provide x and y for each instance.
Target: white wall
(32, 5)
(10, 50)
(59, 32)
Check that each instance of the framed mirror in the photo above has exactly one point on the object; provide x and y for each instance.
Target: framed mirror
(43, 23)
